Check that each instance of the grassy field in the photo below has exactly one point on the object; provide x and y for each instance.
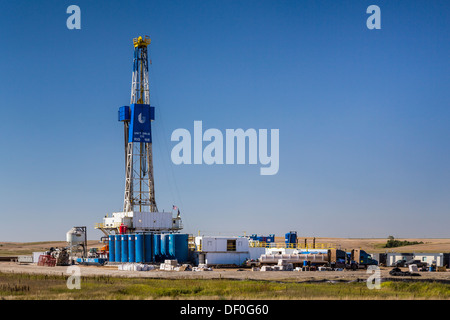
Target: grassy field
(27, 286)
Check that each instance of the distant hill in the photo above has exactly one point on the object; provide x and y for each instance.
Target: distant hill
(24, 248)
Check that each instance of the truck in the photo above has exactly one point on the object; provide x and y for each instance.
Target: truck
(359, 259)
(406, 263)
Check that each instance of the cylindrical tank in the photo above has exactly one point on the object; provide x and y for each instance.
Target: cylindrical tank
(139, 238)
(171, 245)
(164, 246)
(124, 240)
(75, 236)
(131, 248)
(157, 247)
(181, 252)
(111, 248)
(117, 248)
(148, 256)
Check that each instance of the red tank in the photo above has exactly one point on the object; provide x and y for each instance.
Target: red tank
(123, 229)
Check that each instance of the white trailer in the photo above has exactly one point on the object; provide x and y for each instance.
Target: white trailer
(222, 250)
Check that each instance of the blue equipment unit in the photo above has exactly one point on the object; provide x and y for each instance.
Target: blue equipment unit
(148, 241)
(117, 248)
(111, 248)
(131, 248)
(290, 237)
(91, 261)
(269, 239)
(140, 125)
(139, 246)
(124, 240)
(124, 113)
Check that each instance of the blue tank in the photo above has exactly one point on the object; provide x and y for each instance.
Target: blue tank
(171, 245)
(164, 246)
(148, 241)
(139, 245)
(157, 247)
(111, 247)
(124, 240)
(117, 248)
(131, 248)
(181, 247)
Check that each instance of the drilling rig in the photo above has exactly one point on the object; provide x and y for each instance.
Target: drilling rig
(140, 212)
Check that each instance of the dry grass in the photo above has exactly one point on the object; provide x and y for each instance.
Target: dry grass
(25, 248)
(36, 287)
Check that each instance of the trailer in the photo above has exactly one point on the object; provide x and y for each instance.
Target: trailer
(92, 261)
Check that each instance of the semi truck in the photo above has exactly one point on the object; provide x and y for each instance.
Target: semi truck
(359, 259)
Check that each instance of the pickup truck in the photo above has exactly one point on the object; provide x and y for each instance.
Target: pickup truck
(405, 263)
(400, 263)
(252, 263)
(419, 263)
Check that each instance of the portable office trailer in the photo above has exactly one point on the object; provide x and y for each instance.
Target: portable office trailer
(220, 250)
(430, 258)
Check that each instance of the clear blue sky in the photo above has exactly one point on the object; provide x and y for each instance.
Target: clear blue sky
(363, 114)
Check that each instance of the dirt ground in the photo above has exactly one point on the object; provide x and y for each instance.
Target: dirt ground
(347, 275)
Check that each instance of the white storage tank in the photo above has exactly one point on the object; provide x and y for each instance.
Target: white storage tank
(75, 236)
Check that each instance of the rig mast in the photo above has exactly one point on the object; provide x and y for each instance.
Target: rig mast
(139, 181)
(140, 213)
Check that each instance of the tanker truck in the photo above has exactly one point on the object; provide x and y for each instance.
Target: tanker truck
(334, 258)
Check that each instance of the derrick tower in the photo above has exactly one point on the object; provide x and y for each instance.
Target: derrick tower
(140, 213)
(139, 181)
